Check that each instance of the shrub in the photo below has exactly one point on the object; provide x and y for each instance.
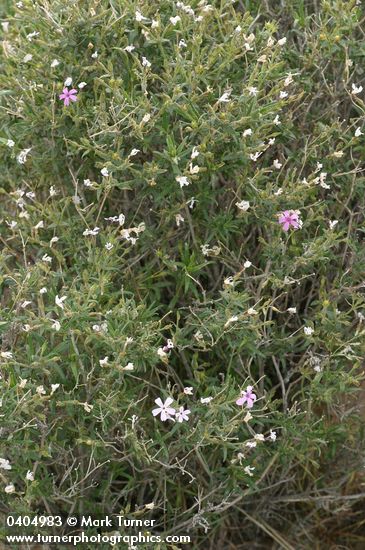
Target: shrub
(193, 220)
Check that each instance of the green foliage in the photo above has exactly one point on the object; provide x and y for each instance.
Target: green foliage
(240, 116)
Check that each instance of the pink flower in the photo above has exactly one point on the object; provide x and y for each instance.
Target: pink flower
(68, 95)
(248, 397)
(289, 218)
(182, 414)
(164, 409)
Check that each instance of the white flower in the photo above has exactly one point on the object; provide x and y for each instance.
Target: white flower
(193, 169)
(39, 225)
(333, 223)
(243, 205)
(25, 304)
(155, 24)
(56, 325)
(179, 219)
(292, 310)
(54, 240)
(94, 55)
(104, 361)
(150, 506)
(22, 157)
(68, 81)
(277, 164)
(308, 331)
(28, 57)
(188, 390)
(288, 80)
(238, 29)
(6, 354)
(52, 191)
(225, 97)
(5, 464)
(32, 35)
(255, 156)
(40, 390)
(282, 41)
(175, 20)
(358, 132)
(161, 353)
(259, 437)
(248, 417)
(206, 251)
(182, 414)
(182, 180)
(253, 91)
(46, 258)
(129, 367)
(59, 301)
(104, 172)
(191, 202)
(145, 62)
(252, 311)
(109, 246)
(26, 328)
(10, 488)
(283, 95)
(251, 444)
(205, 400)
(10, 143)
(317, 368)
(248, 470)
(94, 231)
(139, 17)
(129, 48)
(277, 120)
(54, 387)
(23, 383)
(54, 63)
(272, 435)
(163, 409)
(195, 153)
(232, 319)
(247, 132)
(29, 476)
(88, 408)
(134, 152)
(356, 89)
(43, 290)
(146, 118)
(82, 85)
(247, 264)
(228, 281)
(182, 43)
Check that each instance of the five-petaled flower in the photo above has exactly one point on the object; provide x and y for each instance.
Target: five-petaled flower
(182, 414)
(248, 397)
(68, 95)
(164, 409)
(289, 218)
